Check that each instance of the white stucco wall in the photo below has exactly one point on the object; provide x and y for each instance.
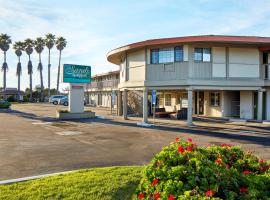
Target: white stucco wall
(211, 111)
(185, 51)
(244, 62)
(246, 104)
(268, 103)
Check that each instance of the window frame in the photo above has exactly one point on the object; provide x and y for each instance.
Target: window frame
(151, 56)
(165, 99)
(181, 50)
(203, 54)
(217, 99)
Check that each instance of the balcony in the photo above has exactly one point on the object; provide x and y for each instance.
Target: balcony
(104, 84)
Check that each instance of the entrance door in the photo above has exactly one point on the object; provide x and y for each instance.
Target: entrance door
(199, 99)
(255, 105)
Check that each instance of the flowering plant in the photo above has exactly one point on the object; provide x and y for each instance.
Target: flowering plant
(185, 171)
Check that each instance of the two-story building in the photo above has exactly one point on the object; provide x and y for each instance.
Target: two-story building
(211, 75)
(100, 90)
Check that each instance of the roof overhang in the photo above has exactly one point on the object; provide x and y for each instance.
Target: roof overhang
(262, 43)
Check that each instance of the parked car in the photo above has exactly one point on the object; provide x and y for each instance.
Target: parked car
(64, 101)
(55, 98)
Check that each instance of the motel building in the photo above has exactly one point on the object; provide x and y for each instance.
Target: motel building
(209, 76)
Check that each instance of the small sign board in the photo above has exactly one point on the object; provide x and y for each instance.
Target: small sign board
(154, 97)
(76, 73)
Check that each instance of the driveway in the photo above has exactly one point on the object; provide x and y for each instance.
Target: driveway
(33, 142)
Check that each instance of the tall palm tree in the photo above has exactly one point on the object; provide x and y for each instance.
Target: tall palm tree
(61, 43)
(39, 46)
(19, 47)
(49, 41)
(28, 47)
(5, 41)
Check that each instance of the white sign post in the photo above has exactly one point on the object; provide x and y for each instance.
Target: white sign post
(76, 98)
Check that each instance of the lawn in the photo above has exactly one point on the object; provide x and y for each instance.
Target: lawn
(100, 183)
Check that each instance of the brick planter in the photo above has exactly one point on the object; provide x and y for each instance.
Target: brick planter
(84, 115)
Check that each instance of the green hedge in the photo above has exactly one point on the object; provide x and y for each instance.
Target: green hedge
(185, 171)
(4, 104)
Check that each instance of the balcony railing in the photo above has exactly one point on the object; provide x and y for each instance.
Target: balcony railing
(104, 84)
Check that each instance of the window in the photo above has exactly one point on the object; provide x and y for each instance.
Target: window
(202, 54)
(166, 55)
(168, 99)
(154, 56)
(178, 54)
(160, 100)
(215, 99)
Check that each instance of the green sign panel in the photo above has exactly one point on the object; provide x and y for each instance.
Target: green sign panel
(76, 73)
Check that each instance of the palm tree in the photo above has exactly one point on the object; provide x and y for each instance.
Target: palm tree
(28, 47)
(49, 41)
(19, 47)
(5, 41)
(39, 46)
(61, 43)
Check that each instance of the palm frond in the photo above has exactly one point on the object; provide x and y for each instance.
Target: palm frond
(40, 67)
(19, 69)
(4, 66)
(30, 67)
(61, 43)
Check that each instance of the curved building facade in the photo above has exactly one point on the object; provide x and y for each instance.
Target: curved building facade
(211, 75)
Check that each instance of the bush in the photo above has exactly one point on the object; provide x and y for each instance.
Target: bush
(4, 104)
(185, 171)
(11, 98)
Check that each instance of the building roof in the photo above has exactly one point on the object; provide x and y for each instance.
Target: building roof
(106, 74)
(263, 43)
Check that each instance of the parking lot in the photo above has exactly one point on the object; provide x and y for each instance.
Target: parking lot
(33, 142)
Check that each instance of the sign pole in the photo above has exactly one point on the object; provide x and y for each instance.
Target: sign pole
(154, 99)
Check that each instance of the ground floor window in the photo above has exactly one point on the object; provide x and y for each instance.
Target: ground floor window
(215, 99)
(168, 99)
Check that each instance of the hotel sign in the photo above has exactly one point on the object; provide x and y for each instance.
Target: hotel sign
(76, 73)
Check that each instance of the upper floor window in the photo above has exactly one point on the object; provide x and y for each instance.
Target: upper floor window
(178, 54)
(167, 55)
(202, 54)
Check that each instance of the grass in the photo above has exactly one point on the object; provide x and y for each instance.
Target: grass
(114, 183)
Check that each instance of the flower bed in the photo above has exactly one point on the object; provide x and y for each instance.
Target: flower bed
(185, 171)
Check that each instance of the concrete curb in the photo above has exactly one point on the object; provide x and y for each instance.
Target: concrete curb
(17, 180)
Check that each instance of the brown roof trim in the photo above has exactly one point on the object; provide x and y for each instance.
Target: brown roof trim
(114, 55)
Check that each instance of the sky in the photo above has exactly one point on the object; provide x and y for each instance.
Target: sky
(94, 27)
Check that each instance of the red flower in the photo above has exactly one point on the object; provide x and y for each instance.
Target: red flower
(262, 169)
(233, 155)
(189, 149)
(246, 172)
(157, 195)
(243, 190)
(261, 161)
(189, 140)
(177, 139)
(209, 193)
(155, 182)
(226, 145)
(181, 149)
(218, 161)
(171, 197)
(141, 195)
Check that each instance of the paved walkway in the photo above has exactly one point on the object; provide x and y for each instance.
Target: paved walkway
(33, 142)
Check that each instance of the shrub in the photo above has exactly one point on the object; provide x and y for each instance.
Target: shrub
(4, 104)
(185, 171)
(63, 111)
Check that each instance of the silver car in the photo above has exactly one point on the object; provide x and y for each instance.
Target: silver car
(55, 98)
(63, 101)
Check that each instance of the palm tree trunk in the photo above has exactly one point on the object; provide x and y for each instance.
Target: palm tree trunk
(41, 81)
(30, 83)
(58, 72)
(4, 78)
(49, 74)
(19, 82)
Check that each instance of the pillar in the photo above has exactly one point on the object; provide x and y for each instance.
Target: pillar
(268, 104)
(125, 104)
(145, 105)
(260, 105)
(190, 105)
(119, 103)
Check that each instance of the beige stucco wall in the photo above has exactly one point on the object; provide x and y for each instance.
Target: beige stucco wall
(246, 104)
(219, 62)
(136, 66)
(211, 111)
(244, 62)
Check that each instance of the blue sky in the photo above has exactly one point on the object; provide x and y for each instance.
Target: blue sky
(93, 27)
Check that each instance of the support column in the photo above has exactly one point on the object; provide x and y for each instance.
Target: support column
(260, 105)
(125, 104)
(268, 104)
(119, 103)
(190, 105)
(145, 105)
